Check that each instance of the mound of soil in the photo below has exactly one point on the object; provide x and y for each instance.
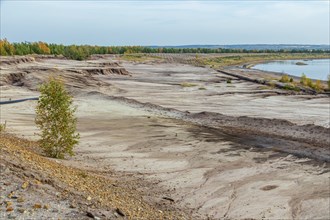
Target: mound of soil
(33, 186)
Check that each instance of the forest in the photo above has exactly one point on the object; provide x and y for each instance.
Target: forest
(81, 52)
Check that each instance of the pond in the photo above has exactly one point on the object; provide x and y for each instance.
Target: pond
(314, 69)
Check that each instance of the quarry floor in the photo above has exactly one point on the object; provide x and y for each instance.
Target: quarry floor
(205, 171)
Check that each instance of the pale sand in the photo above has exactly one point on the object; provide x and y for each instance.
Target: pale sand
(212, 172)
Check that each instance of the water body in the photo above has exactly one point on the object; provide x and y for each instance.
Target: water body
(315, 69)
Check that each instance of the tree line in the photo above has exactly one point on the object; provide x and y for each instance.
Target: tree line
(81, 52)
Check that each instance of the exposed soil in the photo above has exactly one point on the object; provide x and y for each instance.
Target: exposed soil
(34, 187)
(213, 149)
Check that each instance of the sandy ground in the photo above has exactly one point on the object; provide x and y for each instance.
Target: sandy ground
(211, 172)
(160, 84)
(37, 187)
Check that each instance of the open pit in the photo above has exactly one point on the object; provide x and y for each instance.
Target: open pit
(212, 148)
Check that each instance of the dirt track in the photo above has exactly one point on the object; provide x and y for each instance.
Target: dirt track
(215, 171)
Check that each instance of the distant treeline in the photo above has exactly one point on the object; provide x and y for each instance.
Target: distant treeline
(81, 52)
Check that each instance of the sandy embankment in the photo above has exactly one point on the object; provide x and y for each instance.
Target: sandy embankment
(222, 173)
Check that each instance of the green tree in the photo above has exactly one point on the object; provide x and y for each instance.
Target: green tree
(76, 52)
(6, 48)
(56, 120)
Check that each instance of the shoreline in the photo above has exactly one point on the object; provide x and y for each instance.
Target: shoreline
(251, 66)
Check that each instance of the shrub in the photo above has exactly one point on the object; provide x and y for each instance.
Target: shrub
(291, 80)
(309, 83)
(228, 81)
(318, 85)
(55, 118)
(285, 79)
(303, 80)
(272, 84)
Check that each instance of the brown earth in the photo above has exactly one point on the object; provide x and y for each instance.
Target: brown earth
(35, 187)
(233, 151)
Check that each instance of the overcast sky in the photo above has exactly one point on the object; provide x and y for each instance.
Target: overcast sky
(166, 22)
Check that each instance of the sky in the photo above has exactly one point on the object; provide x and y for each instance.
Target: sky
(166, 22)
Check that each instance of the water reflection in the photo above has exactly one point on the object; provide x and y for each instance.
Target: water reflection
(315, 69)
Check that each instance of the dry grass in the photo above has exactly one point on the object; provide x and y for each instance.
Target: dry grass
(188, 84)
(238, 59)
(3, 127)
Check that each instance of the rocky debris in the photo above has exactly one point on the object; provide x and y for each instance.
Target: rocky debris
(25, 185)
(9, 209)
(120, 212)
(37, 206)
(73, 205)
(51, 186)
(91, 215)
(20, 200)
(21, 210)
(168, 198)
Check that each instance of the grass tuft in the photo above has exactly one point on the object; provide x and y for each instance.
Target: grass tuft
(187, 84)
